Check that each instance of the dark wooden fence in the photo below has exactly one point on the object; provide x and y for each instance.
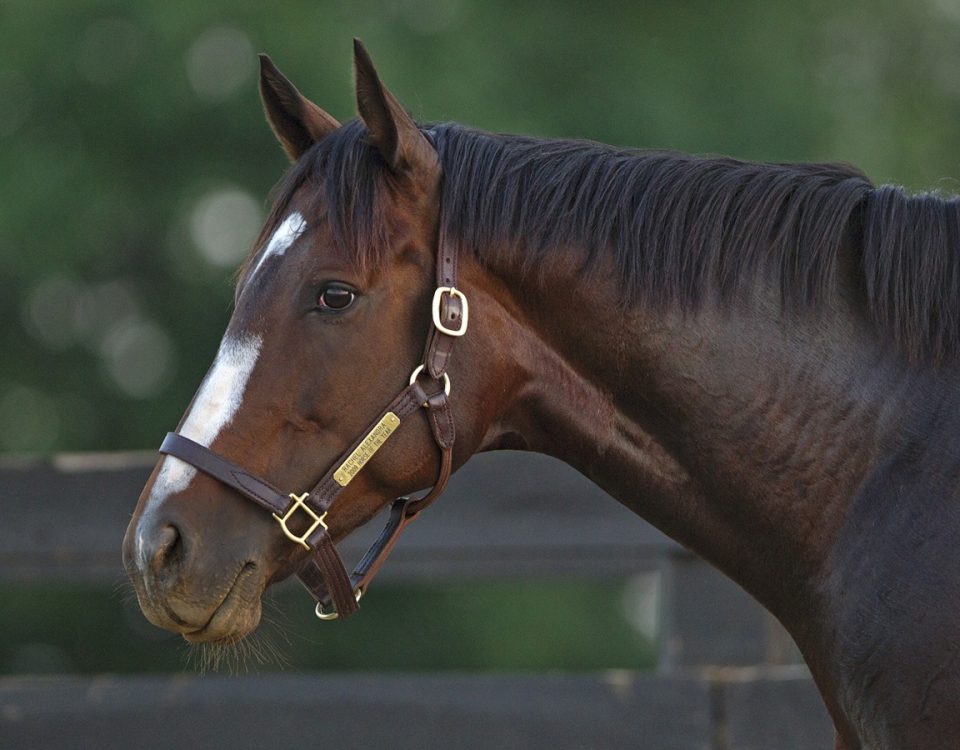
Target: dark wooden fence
(729, 678)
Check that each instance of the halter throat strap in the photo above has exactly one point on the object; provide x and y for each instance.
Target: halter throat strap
(303, 517)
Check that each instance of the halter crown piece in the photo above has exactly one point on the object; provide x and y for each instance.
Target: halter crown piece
(323, 573)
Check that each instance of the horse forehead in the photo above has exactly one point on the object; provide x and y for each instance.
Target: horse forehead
(277, 264)
(281, 240)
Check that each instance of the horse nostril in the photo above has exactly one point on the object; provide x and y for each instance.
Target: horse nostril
(164, 558)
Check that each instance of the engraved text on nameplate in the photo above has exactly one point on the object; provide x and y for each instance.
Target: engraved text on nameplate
(368, 446)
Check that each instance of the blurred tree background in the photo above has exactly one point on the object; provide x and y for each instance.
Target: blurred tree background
(135, 163)
(135, 169)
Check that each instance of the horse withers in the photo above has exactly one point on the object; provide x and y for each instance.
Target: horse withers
(758, 359)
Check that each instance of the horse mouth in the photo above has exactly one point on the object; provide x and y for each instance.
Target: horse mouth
(237, 615)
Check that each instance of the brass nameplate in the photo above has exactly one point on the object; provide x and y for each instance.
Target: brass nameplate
(368, 446)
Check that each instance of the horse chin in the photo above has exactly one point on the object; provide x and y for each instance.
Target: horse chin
(227, 626)
(221, 618)
(237, 615)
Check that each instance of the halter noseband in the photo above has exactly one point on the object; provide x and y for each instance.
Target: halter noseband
(323, 573)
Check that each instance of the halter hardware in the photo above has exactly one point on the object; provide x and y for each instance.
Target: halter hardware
(299, 504)
(326, 616)
(464, 320)
(445, 377)
(371, 443)
(323, 573)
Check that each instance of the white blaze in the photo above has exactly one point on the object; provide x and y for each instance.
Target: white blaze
(284, 236)
(221, 393)
(214, 407)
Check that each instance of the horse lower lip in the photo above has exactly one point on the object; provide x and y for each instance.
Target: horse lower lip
(198, 635)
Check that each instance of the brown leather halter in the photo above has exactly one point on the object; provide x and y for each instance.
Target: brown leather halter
(323, 573)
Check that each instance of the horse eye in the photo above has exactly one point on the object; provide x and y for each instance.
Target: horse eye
(335, 298)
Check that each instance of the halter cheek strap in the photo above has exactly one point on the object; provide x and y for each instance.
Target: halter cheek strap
(323, 572)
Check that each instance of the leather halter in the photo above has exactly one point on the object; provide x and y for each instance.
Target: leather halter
(323, 573)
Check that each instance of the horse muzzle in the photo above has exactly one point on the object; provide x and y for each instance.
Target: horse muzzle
(204, 594)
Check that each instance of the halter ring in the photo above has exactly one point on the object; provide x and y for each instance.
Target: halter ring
(333, 614)
(444, 376)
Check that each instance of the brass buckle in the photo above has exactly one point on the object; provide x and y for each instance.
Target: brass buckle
(333, 614)
(453, 292)
(298, 504)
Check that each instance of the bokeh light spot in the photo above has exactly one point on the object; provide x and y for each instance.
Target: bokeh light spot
(223, 224)
(102, 307)
(52, 310)
(138, 356)
(640, 603)
(219, 62)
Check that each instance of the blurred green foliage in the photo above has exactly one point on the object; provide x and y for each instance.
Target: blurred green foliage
(135, 167)
(134, 160)
(529, 626)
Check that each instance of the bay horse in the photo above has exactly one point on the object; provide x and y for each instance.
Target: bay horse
(759, 359)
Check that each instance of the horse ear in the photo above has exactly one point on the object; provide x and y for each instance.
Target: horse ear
(297, 122)
(391, 129)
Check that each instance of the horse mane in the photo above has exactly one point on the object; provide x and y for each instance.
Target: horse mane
(676, 227)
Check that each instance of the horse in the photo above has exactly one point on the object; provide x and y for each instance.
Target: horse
(759, 359)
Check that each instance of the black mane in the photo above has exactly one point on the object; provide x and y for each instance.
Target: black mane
(677, 227)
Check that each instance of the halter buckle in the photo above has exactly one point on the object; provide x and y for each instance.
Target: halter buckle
(298, 504)
(437, 298)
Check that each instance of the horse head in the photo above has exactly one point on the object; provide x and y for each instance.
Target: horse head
(333, 307)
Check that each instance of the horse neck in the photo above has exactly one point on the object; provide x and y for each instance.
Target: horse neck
(740, 432)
